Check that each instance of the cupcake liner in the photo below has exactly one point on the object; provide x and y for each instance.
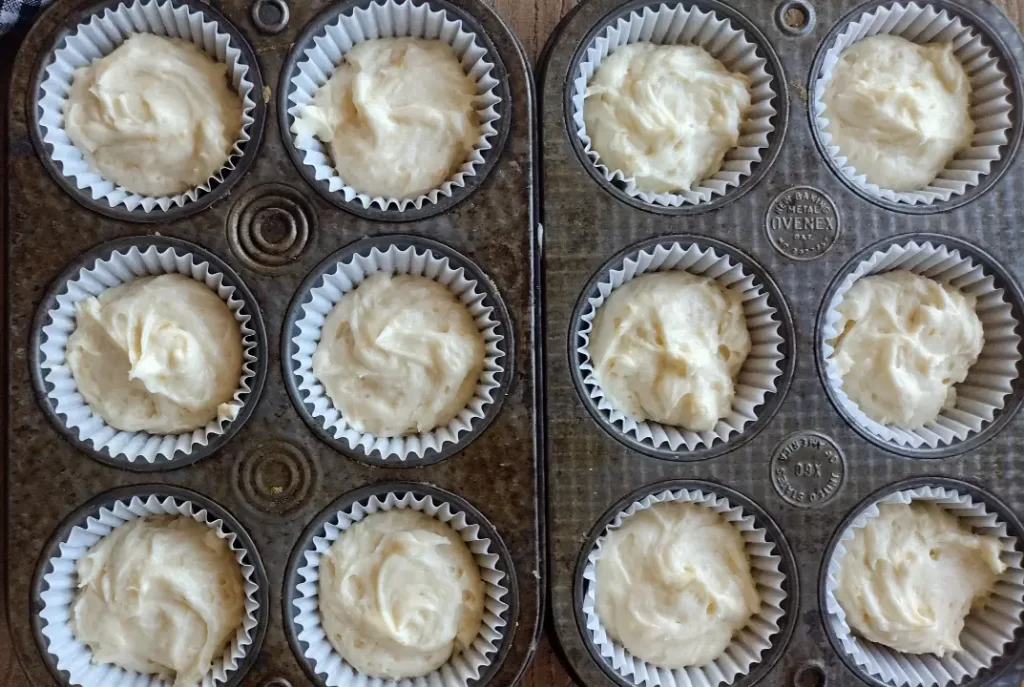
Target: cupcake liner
(344, 276)
(686, 25)
(461, 669)
(990, 96)
(986, 631)
(757, 378)
(748, 644)
(391, 19)
(119, 267)
(60, 591)
(989, 381)
(100, 35)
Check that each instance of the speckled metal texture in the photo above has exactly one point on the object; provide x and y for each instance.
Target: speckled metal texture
(590, 471)
(273, 229)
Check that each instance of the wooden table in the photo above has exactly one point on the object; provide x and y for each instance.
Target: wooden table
(533, 21)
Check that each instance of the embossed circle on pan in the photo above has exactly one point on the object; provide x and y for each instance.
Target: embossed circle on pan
(104, 251)
(760, 286)
(270, 16)
(372, 454)
(360, 497)
(979, 495)
(274, 476)
(270, 226)
(779, 120)
(1013, 297)
(994, 29)
(787, 566)
(176, 212)
(91, 510)
(317, 27)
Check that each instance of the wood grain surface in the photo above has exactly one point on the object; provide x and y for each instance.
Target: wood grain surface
(533, 21)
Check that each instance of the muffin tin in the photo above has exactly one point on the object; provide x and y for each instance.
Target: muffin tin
(269, 227)
(795, 220)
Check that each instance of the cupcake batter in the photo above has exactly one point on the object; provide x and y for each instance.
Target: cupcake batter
(911, 576)
(898, 111)
(673, 585)
(904, 342)
(399, 355)
(156, 116)
(159, 595)
(398, 114)
(668, 346)
(159, 354)
(400, 593)
(665, 115)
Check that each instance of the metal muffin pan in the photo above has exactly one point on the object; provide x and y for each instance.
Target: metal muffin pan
(270, 232)
(806, 468)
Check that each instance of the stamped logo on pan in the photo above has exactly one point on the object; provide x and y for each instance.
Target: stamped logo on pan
(802, 223)
(808, 469)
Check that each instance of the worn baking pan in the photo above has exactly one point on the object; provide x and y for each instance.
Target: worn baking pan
(799, 461)
(264, 227)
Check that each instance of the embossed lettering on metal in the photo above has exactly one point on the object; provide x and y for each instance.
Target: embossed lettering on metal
(802, 223)
(808, 469)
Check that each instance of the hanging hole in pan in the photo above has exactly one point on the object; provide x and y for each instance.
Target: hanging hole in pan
(808, 675)
(270, 16)
(795, 17)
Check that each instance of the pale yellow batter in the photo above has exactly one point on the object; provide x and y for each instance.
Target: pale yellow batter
(156, 116)
(904, 342)
(898, 111)
(399, 355)
(911, 576)
(159, 354)
(398, 114)
(664, 115)
(400, 594)
(159, 595)
(673, 585)
(668, 346)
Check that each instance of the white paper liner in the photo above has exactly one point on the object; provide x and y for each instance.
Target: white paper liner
(757, 378)
(990, 96)
(461, 668)
(391, 19)
(121, 267)
(983, 393)
(345, 277)
(684, 25)
(61, 591)
(985, 632)
(747, 645)
(98, 37)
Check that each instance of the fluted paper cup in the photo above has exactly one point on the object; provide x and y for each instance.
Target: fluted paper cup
(758, 378)
(100, 35)
(747, 645)
(119, 267)
(990, 106)
(60, 591)
(463, 668)
(391, 19)
(987, 630)
(982, 395)
(682, 24)
(332, 281)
